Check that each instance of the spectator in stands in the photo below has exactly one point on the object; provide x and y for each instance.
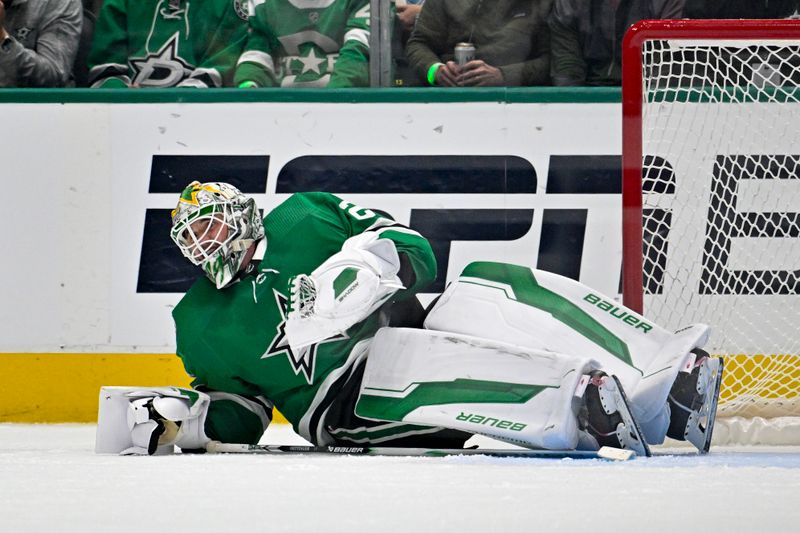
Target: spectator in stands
(587, 36)
(297, 45)
(38, 41)
(511, 39)
(741, 9)
(164, 43)
(80, 69)
(407, 12)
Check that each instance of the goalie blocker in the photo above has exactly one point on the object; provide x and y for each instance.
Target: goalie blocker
(153, 420)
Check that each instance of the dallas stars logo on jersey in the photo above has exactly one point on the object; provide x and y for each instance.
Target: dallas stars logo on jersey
(302, 362)
(307, 43)
(164, 68)
(167, 43)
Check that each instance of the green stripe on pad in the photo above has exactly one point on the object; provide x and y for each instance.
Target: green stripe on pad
(441, 393)
(345, 278)
(528, 291)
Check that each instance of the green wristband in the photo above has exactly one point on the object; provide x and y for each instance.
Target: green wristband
(432, 73)
(248, 85)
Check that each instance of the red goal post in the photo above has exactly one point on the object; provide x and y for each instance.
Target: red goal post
(711, 202)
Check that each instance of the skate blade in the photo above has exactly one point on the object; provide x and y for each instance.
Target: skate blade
(633, 440)
(700, 427)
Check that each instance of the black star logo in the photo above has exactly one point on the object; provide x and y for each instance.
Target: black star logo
(279, 343)
(301, 362)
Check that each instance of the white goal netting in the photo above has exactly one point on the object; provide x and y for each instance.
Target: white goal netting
(720, 126)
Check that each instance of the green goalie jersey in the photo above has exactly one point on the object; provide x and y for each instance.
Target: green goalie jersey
(232, 340)
(307, 43)
(167, 43)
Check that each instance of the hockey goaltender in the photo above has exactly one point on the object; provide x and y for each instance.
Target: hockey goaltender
(299, 312)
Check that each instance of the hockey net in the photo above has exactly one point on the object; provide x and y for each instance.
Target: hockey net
(711, 196)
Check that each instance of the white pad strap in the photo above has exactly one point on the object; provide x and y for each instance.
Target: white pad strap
(343, 290)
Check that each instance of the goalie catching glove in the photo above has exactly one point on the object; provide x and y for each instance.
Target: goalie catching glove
(343, 290)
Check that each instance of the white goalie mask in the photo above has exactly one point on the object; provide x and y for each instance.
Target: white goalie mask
(214, 225)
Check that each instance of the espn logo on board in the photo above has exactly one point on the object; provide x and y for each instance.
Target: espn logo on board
(462, 200)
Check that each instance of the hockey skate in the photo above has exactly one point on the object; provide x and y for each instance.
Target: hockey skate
(693, 401)
(605, 415)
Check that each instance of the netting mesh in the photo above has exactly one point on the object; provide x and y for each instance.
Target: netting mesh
(721, 209)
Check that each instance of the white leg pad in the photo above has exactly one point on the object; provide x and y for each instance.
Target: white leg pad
(545, 311)
(511, 393)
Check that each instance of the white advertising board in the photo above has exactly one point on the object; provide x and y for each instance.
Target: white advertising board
(79, 180)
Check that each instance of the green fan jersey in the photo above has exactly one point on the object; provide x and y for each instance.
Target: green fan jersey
(232, 340)
(307, 43)
(167, 43)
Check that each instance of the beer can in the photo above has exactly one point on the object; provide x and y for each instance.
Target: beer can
(464, 53)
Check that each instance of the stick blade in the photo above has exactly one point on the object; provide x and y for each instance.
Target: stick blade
(615, 454)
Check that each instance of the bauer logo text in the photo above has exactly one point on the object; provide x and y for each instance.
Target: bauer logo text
(490, 421)
(618, 312)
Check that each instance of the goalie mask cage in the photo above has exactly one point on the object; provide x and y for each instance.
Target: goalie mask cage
(711, 204)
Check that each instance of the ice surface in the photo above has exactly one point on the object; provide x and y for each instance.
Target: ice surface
(51, 480)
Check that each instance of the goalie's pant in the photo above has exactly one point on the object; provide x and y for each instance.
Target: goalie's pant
(545, 311)
(511, 393)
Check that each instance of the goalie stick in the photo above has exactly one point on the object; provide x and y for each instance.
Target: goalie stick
(606, 452)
